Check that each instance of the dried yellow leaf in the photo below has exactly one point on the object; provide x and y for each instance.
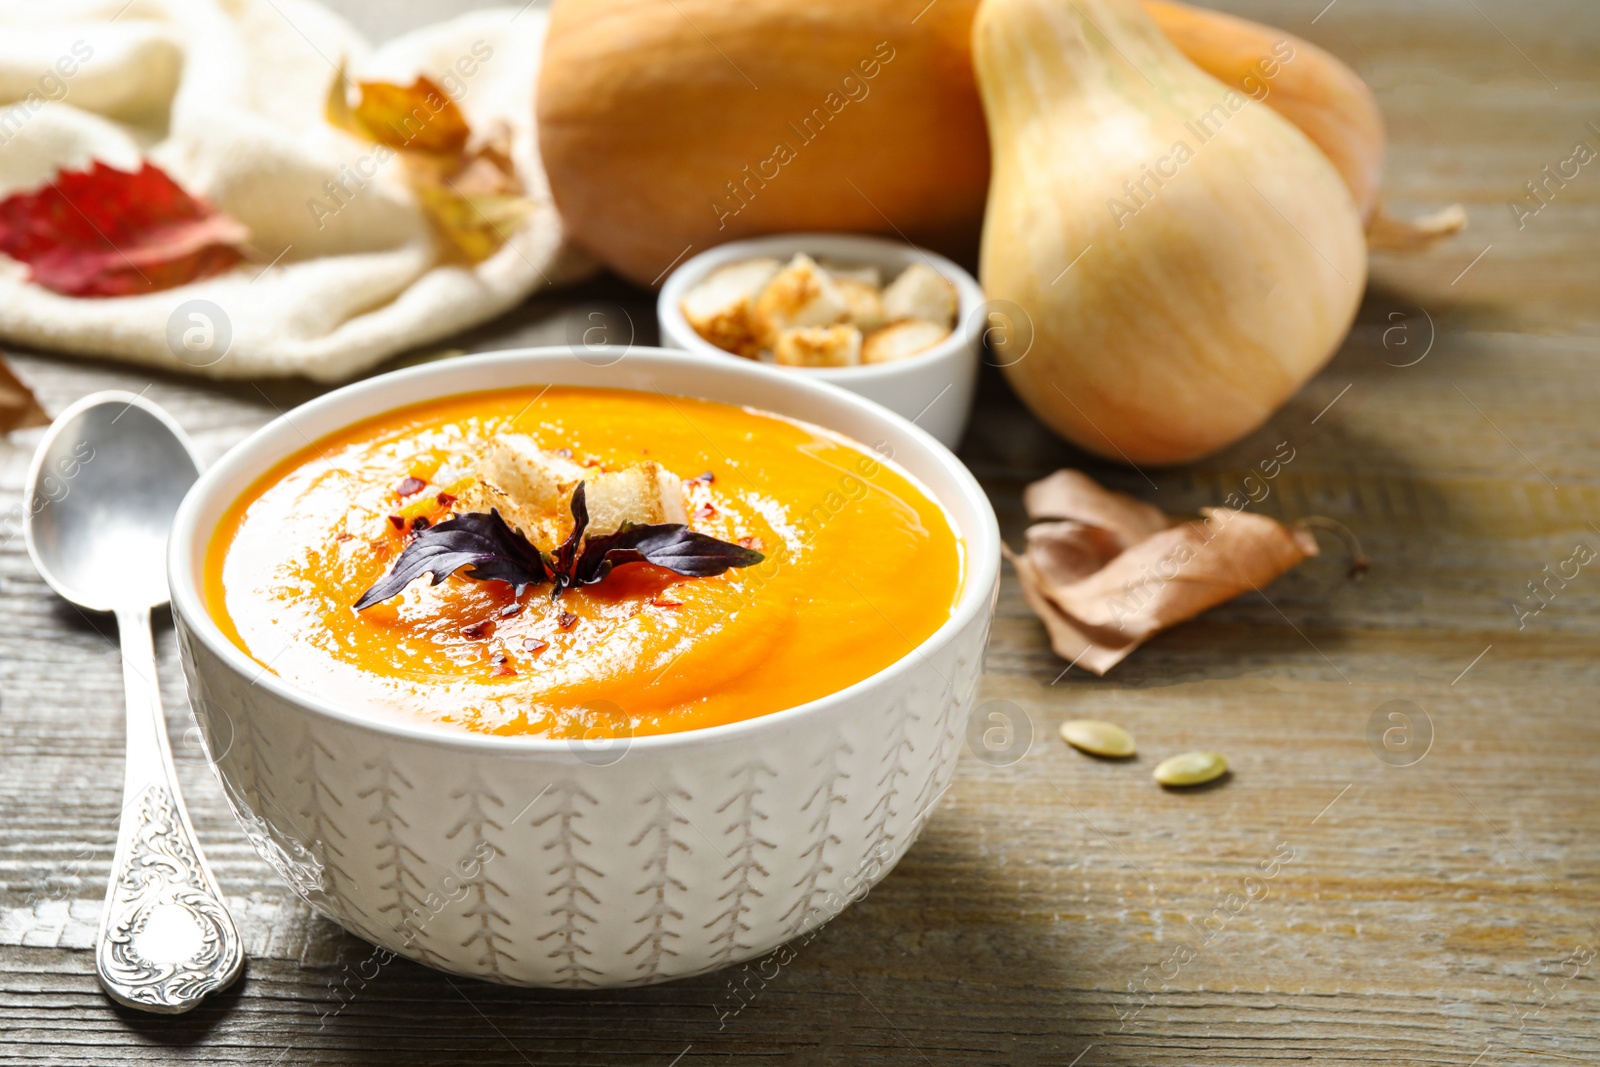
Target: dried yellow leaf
(419, 117)
(469, 191)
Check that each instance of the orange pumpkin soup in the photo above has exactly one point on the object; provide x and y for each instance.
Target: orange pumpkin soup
(844, 565)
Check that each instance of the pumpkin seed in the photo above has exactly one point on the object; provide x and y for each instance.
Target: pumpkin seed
(1191, 768)
(1098, 738)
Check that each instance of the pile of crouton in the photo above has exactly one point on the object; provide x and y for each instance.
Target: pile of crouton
(806, 315)
(532, 489)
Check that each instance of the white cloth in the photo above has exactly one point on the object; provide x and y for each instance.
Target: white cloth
(227, 97)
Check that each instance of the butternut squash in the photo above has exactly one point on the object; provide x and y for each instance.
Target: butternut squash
(670, 127)
(666, 128)
(1187, 260)
(1295, 78)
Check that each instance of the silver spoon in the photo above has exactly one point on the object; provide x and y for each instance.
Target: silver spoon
(102, 492)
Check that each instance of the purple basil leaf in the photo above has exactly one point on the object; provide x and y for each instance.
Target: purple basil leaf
(670, 545)
(483, 543)
(601, 553)
(565, 555)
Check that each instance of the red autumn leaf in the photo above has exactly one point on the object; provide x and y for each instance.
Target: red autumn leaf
(108, 232)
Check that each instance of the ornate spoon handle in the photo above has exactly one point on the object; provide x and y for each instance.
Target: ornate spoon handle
(166, 939)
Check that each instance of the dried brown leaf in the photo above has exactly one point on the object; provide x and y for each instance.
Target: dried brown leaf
(1065, 551)
(19, 408)
(1178, 573)
(1099, 601)
(1097, 652)
(1070, 494)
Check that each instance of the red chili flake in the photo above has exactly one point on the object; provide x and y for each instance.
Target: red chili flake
(752, 542)
(503, 667)
(411, 486)
(419, 524)
(591, 463)
(704, 478)
(705, 511)
(477, 631)
(567, 620)
(397, 522)
(445, 500)
(564, 453)
(663, 602)
(343, 536)
(533, 644)
(511, 610)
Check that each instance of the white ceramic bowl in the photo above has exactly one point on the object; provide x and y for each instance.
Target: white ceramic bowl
(932, 388)
(542, 862)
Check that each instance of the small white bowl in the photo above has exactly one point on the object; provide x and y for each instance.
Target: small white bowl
(932, 388)
(542, 862)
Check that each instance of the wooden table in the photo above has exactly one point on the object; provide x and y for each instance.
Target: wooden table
(1319, 904)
